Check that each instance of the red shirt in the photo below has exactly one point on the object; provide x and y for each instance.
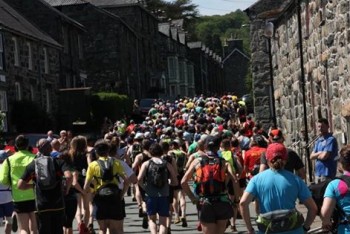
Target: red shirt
(179, 123)
(252, 157)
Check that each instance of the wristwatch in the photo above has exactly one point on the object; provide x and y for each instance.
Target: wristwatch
(306, 229)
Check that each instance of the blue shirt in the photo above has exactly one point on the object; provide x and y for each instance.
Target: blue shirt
(338, 190)
(278, 190)
(326, 167)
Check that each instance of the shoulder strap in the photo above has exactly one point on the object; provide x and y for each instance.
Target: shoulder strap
(346, 179)
(9, 173)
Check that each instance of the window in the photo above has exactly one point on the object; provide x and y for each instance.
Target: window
(1, 53)
(3, 109)
(190, 74)
(80, 47)
(18, 91)
(30, 56)
(46, 61)
(32, 94)
(15, 51)
(183, 72)
(48, 101)
(173, 69)
(68, 81)
(65, 40)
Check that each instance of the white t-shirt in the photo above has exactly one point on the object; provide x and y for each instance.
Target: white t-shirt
(5, 193)
(128, 172)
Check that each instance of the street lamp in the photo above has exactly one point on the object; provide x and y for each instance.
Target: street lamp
(268, 33)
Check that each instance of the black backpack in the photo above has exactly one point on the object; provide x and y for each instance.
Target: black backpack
(318, 190)
(157, 174)
(110, 189)
(45, 172)
(136, 149)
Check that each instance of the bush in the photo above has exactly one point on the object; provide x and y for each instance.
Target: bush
(29, 117)
(112, 105)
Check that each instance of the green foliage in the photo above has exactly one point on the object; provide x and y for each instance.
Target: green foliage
(232, 25)
(28, 117)
(112, 105)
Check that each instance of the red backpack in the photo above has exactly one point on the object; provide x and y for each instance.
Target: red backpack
(210, 177)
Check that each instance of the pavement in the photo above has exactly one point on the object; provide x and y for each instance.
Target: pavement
(133, 223)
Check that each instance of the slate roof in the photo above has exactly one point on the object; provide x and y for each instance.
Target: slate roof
(113, 2)
(235, 51)
(14, 21)
(65, 2)
(164, 28)
(267, 9)
(194, 45)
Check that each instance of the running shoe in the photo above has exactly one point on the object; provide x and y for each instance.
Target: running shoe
(184, 222)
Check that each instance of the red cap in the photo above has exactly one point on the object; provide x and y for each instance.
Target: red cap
(276, 134)
(276, 150)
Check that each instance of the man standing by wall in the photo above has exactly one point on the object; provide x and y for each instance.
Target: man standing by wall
(325, 153)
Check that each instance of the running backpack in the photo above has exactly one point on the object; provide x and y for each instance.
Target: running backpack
(180, 159)
(109, 189)
(210, 177)
(157, 174)
(45, 172)
(136, 149)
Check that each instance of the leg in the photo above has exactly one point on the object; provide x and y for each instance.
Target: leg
(115, 226)
(152, 223)
(176, 205)
(162, 225)
(78, 214)
(102, 226)
(209, 228)
(86, 204)
(23, 223)
(183, 207)
(221, 226)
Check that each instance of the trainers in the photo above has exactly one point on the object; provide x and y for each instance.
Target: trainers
(199, 227)
(145, 222)
(184, 222)
(134, 199)
(233, 228)
(141, 214)
(14, 226)
(169, 230)
(177, 220)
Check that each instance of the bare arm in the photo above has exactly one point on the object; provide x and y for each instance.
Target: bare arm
(23, 185)
(75, 184)
(311, 211)
(173, 178)
(69, 180)
(327, 211)
(184, 182)
(234, 181)
(244, 207)
(142, 173)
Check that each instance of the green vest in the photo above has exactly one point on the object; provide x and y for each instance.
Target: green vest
(18, 163)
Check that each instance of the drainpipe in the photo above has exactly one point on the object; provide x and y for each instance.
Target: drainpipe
(138, 69)
(303, 84)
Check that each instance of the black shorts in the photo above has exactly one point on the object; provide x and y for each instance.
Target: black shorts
(179, 178)
(171, 194)
(108, 208)
(214, 211)
(70, 210)
(242, 182)
(24, 206)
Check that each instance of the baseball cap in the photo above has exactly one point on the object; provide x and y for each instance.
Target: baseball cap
(139, 135)
(276, 134)
(275, 150)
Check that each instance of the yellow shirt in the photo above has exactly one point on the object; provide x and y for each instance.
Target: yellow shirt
(94, 172)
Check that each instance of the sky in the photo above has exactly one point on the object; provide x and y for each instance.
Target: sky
(221, 7)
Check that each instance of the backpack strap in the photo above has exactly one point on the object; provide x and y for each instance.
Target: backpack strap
(9, 174)
(101, 164)
(346, 179)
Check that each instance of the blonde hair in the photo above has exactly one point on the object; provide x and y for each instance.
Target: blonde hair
(78, 145)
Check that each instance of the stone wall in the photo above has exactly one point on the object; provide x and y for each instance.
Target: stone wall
(326, 37)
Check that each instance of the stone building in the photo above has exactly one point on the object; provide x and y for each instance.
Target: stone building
(208, 72)
(29, 64)
(145, 24)
(322, 37)
(110, 48)
(62, 29)
(179, 69)
(235, 63)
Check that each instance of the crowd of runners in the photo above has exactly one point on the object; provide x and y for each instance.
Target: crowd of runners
(208, 149)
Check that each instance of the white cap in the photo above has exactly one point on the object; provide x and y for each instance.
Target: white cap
(139, 135)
